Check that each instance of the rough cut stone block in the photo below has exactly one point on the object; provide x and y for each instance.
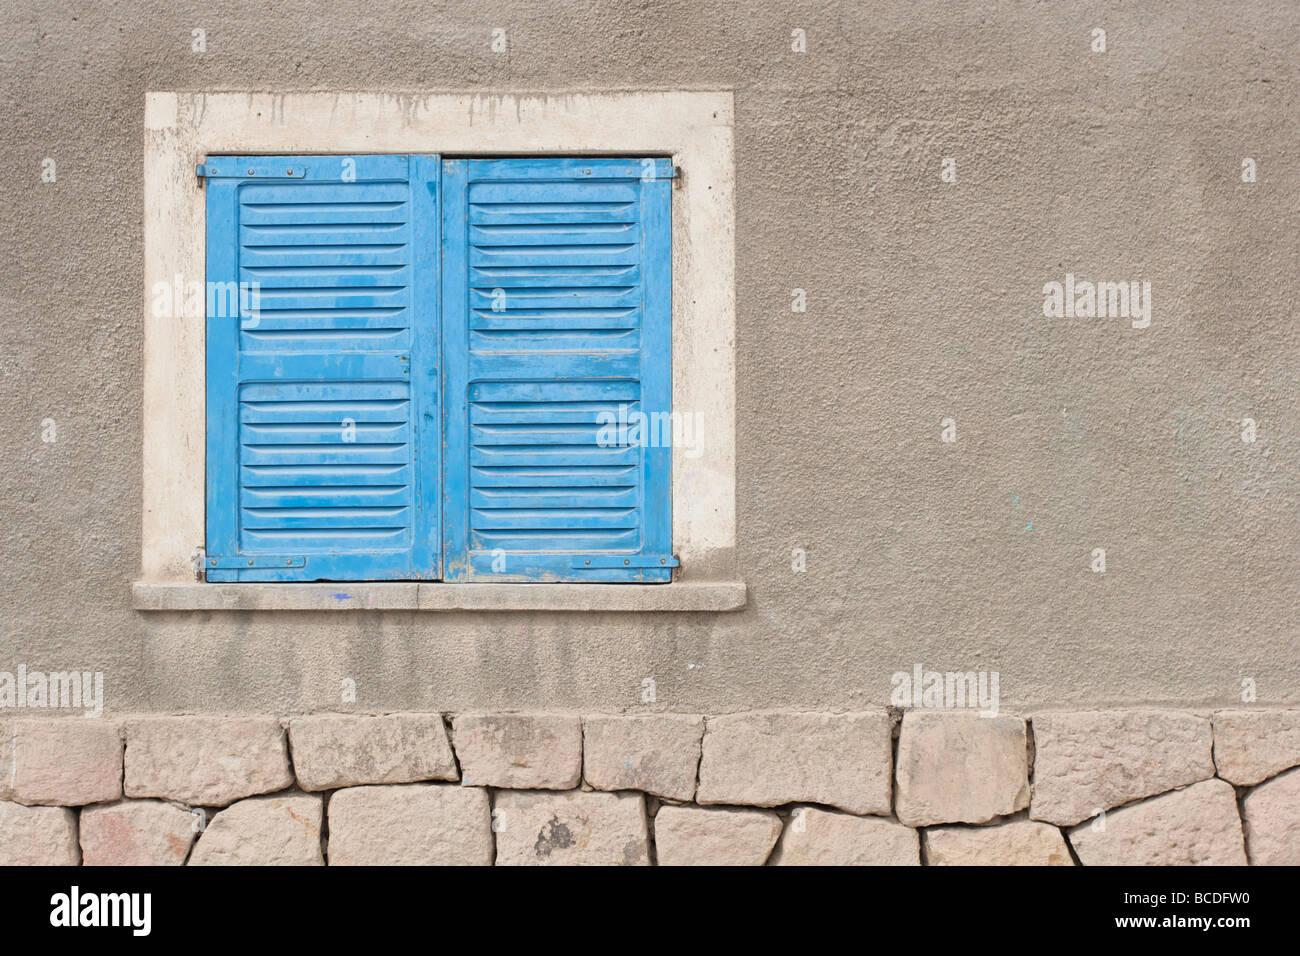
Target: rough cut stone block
(66, 763)
(1093, 760)
(37, 836)
(519, 751)
(768, 759)
(1271, 813)
(1017, 843)
(577, 828)
(1196, 826)
(342, 750)
(815, 837)
(205, 761)
(1252, 745)
(279, 830)
(136, 833)
(657, 753)
(415, 824)
(698, 836)
(960, 767)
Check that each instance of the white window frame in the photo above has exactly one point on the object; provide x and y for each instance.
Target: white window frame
(695, 128)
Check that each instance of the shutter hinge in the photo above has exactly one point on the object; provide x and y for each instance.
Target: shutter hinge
(653, 169)
(261, 171)
(261, 561)
(631, 561)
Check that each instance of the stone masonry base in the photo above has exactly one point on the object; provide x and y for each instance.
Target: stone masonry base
(781, 788)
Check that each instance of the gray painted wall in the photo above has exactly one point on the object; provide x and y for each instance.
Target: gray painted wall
(924, 302)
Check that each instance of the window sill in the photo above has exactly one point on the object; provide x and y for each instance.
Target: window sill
(413, 596)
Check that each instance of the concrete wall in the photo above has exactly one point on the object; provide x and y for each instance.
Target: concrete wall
(924, 302)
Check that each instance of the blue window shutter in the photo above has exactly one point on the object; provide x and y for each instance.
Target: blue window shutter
(557, 296)
(323, 457)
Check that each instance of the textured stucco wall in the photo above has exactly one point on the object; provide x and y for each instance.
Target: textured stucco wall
(924, 302)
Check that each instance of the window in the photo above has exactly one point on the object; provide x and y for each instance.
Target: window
(426, 368)
(692, 131)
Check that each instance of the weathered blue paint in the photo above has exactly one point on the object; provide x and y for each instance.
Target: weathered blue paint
(322, 404)
(426, 362)
(353, 434)
(556, 311)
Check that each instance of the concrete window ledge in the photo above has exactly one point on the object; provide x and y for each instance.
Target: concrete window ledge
(413, 596)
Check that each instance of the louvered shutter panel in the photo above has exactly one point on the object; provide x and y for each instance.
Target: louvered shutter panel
(556, 304)
(322, 400)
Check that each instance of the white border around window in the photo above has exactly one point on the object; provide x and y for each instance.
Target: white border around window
(695, 128)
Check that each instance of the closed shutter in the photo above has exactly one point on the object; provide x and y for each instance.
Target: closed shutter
(322, 399)
(557, 304)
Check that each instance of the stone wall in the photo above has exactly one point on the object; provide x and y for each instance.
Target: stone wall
(782, 788)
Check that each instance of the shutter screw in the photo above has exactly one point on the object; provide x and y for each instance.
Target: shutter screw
(250, 170)
(213, 562)
(661, 560)
(250, 562)
(288, 172)
(213, 170)
(288, 562)
(626, 561)
(588, 562)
